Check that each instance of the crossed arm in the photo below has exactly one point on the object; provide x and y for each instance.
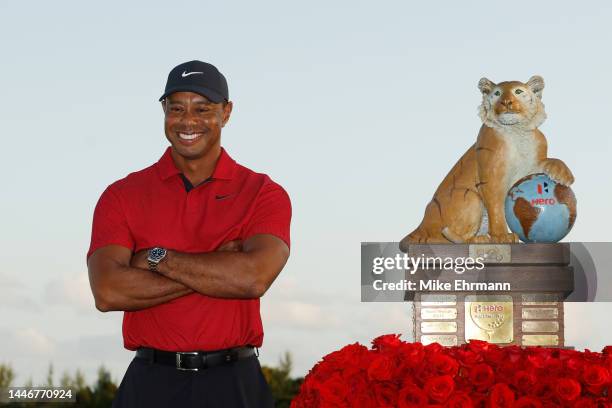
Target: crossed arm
(120, 281)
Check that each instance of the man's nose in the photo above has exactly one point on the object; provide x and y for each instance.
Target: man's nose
(188, 119)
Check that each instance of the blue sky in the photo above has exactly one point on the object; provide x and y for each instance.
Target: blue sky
(357, 108)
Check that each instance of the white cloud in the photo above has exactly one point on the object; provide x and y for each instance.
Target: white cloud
(31, 340)
(70, 290)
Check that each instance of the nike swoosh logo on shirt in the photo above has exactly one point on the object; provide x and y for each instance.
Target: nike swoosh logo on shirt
(186, 74)
(222, 197)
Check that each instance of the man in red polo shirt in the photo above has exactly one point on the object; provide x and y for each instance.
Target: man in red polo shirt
(186, 247)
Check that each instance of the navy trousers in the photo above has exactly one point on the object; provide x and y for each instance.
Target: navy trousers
(238, 384)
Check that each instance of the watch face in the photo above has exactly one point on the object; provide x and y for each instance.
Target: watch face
(156, 254)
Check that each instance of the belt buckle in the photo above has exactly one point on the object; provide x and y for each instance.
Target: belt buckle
(178, 360)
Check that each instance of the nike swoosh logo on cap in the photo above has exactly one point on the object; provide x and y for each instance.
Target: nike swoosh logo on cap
(186, 74)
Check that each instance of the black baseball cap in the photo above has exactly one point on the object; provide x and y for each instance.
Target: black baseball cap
(199, 77)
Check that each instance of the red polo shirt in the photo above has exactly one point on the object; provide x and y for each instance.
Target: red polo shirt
(152, 207)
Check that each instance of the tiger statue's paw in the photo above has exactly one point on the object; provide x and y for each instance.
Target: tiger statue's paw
(479, 239)
(507, 238)
(558, 171)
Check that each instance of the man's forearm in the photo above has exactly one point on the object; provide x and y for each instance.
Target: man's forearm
(131, 289)
(218, 274)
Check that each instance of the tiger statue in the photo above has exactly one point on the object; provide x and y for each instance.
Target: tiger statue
(468, 206)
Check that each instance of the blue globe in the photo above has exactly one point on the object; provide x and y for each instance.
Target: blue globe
(540, 210)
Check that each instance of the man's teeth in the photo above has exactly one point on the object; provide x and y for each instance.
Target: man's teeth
(188, 136)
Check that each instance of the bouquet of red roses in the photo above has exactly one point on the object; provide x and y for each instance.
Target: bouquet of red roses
(395, 373)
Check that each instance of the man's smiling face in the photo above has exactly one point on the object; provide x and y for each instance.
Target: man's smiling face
(193, 123)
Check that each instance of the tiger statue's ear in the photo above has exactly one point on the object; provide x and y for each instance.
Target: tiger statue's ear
(485, 86)
(536, 83)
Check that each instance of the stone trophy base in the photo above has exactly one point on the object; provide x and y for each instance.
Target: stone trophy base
(529, 314)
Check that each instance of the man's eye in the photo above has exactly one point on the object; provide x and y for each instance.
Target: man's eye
(175, 109)
(518, 91)
(497, 93)
(202, 110)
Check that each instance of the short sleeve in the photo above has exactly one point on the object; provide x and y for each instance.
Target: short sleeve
(271, 214)
(109, 223)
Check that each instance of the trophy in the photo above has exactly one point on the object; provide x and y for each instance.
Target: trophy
(504, 180)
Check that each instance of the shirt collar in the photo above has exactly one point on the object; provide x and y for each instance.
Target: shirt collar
(224, 169)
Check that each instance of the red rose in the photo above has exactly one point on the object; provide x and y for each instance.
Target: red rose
(306, 399)
(538, 356)
(394, 373)
(595, 376)
(479, 346)
(411, 396)
(574, 366)
(543, 390)
(527, 402)
(434, 348)
(412, 355)
(567, 389)
(444, 364)
(459, 400)
(334, 391)
(501, 396)
(584, 402)
(381, 369)
(439, 388)
(481, 376)
(524, 380)
(468, 357)
(387, 341)
(385, 394)
(494, 355)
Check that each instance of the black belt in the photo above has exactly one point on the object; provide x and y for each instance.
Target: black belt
(194, 360)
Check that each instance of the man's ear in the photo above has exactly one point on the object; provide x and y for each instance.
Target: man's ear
(227, 112)
(163, 103)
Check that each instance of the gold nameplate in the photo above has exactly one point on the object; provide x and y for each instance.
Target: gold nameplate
(438, 300)
(550, 326)
(540, 340)
(438, 313)
(540, 313)
(438, 327)
(443, 339)
(546, 299)
(490, 253)
(489, 320)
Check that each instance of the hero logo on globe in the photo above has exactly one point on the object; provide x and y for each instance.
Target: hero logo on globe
(543, 188)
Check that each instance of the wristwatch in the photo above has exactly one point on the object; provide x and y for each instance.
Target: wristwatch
(156, 255)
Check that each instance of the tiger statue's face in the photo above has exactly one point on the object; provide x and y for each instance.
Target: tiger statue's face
(512, 105)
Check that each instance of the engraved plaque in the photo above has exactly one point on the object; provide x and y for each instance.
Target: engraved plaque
(540, 313)
(540, 326)
(443, 339)
(490, 253)
(438, 327)
(547, 299)
(489, 318)
(540, 340)
(438, 313)
(438, 300)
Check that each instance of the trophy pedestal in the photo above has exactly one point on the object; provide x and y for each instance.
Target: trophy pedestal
(529, 314)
